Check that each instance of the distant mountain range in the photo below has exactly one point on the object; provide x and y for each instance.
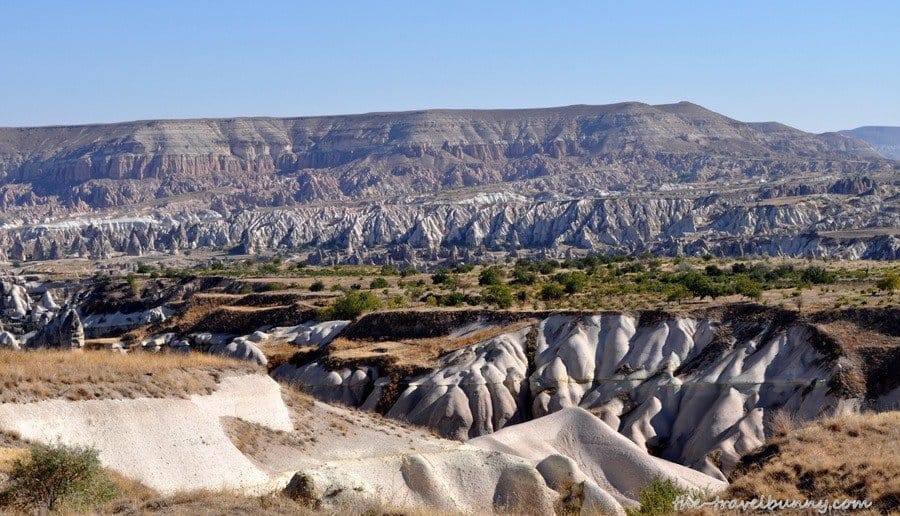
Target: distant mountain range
(885, 139)
(430, 185)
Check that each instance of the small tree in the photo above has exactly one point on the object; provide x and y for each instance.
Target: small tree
(552, 291)
(353, 304)
(490, 276)
(379, 283)
(317, 286)
(55, 475)
(133, 284)
(500, 296)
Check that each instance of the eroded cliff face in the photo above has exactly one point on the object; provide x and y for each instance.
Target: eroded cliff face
(698, 389)
(427, 185)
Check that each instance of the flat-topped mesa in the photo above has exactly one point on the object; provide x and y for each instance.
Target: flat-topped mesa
(357, 156)
(445, 184)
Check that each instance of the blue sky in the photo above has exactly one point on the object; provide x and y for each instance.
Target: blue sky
(817, 65)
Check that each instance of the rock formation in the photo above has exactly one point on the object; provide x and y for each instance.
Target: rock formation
(698, 390)
(430, 185)
(63, 332)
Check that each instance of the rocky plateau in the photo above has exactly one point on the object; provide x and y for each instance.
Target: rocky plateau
(447, 185)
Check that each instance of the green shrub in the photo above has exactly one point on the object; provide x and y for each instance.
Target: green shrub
(658, 498)
(713, 270)
(524, 276)
(816, 275)
(143, 268)
(490, 276)
(440, 276)
(552, 291)
(572, 282)
(740, 268)
(133, 284)
(500, 296)
(379, 283)
(463, 268)
(353, 304)
(745, 286)
(677, 292)
(408, 271)
(389, 270)
(54, 476)
(317, 286)
(889, 282)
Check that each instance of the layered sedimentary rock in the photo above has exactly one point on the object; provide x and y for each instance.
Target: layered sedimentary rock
(433, 185)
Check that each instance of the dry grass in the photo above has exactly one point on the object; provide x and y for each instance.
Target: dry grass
(412, 354)
(220, 502)
(10, 455)
(40, 375)
(849, 457)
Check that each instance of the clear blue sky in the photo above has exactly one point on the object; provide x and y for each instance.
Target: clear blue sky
(817, 65)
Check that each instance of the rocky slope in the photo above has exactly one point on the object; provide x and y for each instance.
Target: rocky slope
(434, 184)
(698, 389)
(885, 140)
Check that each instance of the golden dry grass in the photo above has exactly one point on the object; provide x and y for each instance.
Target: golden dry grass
(413, 353)
(848, 457)
(10, 455)
(40, 375)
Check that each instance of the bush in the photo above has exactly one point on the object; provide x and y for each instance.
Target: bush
(713, 270)
(133, 285)
(317, 286)
(490, 276)
(573, 282)
(498, 295)
(440, 276)
(816, 275)
(143, 268)
(464, 268)
(658, 498)
(701, 286)
(740, 268)
(552, 291)
(408, 271)
(889, 282)
(353, 304)
(677, 292)
(59, 475)
(379, 283)
(745, 286)
(389, 270)
(523, 276)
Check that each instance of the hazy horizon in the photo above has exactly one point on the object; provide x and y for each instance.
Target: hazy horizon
(817, 66)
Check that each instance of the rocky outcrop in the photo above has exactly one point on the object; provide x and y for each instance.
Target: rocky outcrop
(8, 341)
(476, 390)
(698, 390)
(62, 332)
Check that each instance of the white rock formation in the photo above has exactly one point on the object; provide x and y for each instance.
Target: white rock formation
(8, 341)
(475, 391)
(64, 331)
(169, 445)
(677, 385)
(240, 348)
(574, 450)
